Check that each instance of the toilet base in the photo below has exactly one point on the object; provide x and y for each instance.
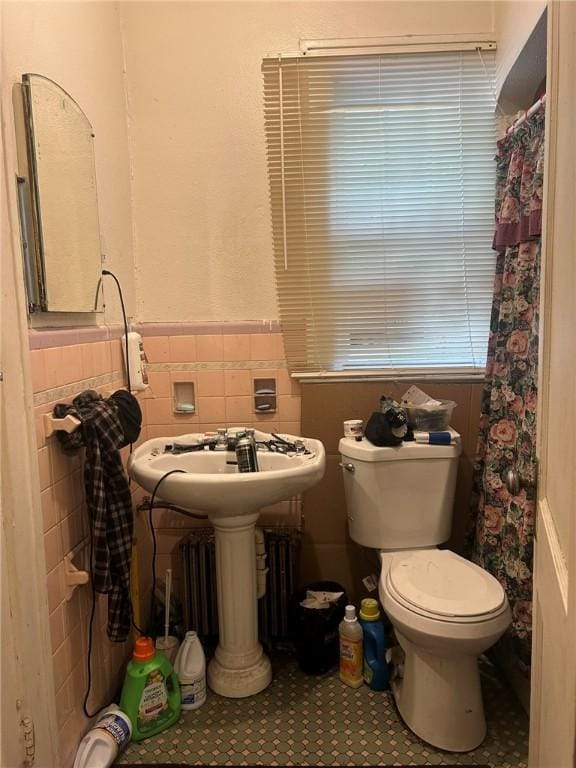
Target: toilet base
(440, 699)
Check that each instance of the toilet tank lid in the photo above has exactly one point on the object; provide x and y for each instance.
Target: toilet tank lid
(442, 582)
(364, 450)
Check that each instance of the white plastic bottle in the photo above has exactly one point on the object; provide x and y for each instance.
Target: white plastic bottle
(102, 744)
(190, 666)
(351, 649)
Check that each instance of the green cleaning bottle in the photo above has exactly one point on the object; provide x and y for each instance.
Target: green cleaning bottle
(151, 692)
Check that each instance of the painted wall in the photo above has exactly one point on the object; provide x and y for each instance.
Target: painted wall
(514, 22)
(79, 46)
(203, 241)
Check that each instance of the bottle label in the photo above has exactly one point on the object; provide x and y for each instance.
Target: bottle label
(116, 727)
(368, 672)
(193, 693)
(154, 700)
(351, 658)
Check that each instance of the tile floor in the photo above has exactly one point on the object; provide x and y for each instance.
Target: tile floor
(302, 720)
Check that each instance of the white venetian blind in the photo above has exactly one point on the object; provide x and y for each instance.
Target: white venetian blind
(382, 194)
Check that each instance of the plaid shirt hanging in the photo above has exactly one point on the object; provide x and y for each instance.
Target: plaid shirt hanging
(108, 499)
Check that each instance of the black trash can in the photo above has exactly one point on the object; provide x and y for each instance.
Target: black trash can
(315, 631)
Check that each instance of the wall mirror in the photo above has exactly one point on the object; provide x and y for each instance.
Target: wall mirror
(58, 200)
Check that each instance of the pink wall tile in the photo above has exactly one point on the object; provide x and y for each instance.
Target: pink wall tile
(38, 370)
(278, 342)
(267, 422)
(72, 367)
(61, 664)
(53, 367)
(209, 348)
(210, 383)
(95, 359)
(183, 349)
(71, 530)
(170, 430)
(44, 468)
(290, 428)
(65, 495)
(39, 425)
(237, 382)
(55, 585)
(262, 347)
(52, 548)
(63, 704)
(75, 647)
(56, 628)
(160, 411)
(212, 409)
(286, 385)
(159, 384)
(157, 349)
(116, 356)
(61, 464)
(49, 514)
(71, 613)
(289, 407)
(239, 409)
(236, 347)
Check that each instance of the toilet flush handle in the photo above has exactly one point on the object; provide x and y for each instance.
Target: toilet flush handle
(349, 467)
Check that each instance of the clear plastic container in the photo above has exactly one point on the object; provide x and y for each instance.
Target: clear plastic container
(432, 419)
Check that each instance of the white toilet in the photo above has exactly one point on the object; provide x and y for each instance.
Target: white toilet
(445, 610)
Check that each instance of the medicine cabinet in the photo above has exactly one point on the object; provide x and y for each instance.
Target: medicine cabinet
(57, 198)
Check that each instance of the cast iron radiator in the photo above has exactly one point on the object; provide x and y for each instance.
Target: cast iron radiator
(198, 559)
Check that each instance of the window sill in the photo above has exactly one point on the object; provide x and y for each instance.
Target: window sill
(451, 375)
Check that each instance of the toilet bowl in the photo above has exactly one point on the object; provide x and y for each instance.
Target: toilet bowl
(445, 610)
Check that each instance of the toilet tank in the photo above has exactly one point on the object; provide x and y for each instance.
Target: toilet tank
(401, 497)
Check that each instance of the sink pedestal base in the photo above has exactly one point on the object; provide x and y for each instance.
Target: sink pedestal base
(239, 667)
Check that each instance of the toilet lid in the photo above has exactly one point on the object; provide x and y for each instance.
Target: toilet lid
(443, 583)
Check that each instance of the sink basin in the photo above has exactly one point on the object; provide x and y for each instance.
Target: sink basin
(232, 500)
(212, 485)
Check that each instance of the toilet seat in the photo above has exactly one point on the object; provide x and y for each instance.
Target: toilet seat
(441, 585)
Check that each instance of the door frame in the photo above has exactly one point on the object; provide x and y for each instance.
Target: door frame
(28, 703)
(553, 684)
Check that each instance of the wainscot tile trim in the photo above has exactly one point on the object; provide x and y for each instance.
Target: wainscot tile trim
(44, 338)
(237, 365)
(207, 329)
(71, 390)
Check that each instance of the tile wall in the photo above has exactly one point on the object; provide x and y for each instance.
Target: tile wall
(221, 361)
(65, 363)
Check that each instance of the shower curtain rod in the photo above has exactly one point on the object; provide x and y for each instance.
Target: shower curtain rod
(528, 113)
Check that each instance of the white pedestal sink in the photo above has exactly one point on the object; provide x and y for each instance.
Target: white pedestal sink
(232, 500)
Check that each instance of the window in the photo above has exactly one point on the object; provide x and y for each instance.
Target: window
(382, 194)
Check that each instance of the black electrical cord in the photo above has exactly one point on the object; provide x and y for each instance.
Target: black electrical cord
(153, 532)
(145, 506)
(93, 607)
(113, 276)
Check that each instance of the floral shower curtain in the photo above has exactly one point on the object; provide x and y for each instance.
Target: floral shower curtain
(504, 523)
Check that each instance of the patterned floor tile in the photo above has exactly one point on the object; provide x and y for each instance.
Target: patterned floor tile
(318, 721)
